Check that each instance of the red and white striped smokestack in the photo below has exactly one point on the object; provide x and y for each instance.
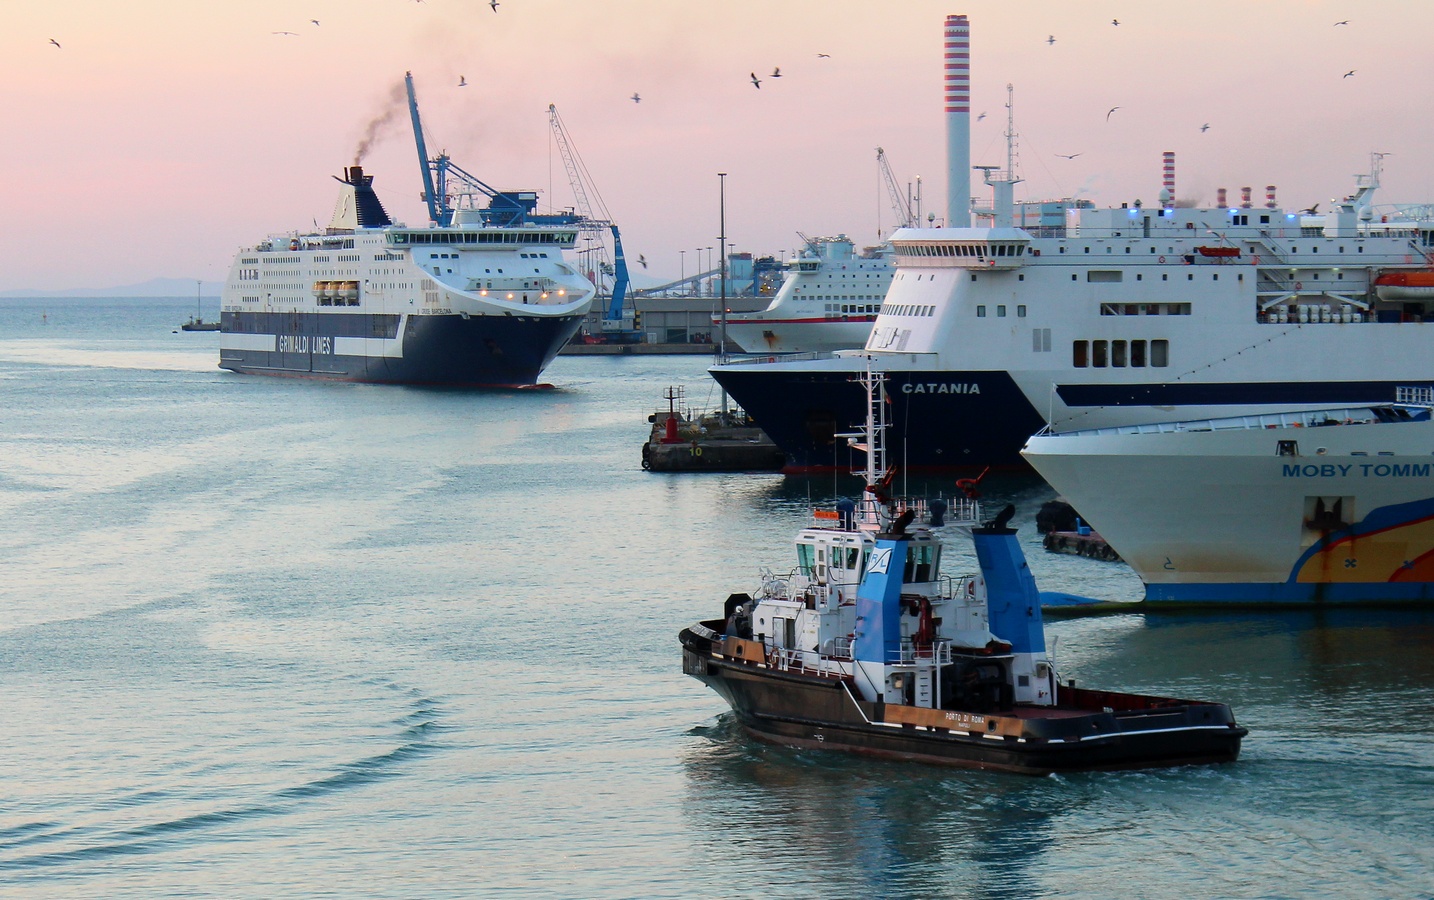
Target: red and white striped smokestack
(1167, 187)
(1221, 195)
(1245, 194)
(958, 122)
(1269, 196)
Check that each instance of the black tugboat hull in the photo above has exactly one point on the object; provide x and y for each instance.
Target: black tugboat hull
(816, 712)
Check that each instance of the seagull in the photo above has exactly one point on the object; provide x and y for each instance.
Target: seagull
(56, 43)
(462, 81)
(1204, 128)
(1345, 22)
(1349, 73)
(1115, 21)
(777, 72)
(824, 56)
(980, 117)
(1071, 156)
(293, 33)
(636, 98)
(1051, 39)
(1112, 109)
(642, 260)
(494, 4)
(315, 21)
(756, 82)
(1312, 211)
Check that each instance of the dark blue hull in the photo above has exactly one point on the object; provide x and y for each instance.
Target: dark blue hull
(447, 350)
(938, 420)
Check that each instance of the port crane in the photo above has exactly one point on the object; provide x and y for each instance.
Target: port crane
(905, 217)
(618, 325)
(449, 190)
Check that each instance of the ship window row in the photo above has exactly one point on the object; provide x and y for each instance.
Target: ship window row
(443, 256)
(977, 251)
(248, 274)
(1104, 354)
(837, 308)
(1145, 309)
(350, 257)
(249, 261)
(394, 257)
(1000, 310)
(480, 237)
(907, 309)
(533, 255)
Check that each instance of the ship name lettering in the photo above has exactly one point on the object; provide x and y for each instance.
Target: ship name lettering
(304, 343)
(1366, 470)
(935, 387)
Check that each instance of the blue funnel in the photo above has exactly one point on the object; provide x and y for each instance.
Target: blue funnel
(1013, 603)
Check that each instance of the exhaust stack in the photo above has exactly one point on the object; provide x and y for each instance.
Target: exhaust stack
(1167, 190)
(958, 121)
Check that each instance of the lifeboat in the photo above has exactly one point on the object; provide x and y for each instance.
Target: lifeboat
(349, 290)
(1410, 284)
(1218, 252)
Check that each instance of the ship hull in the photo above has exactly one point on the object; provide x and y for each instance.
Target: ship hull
(755, 334)
(441, 350)
(940, 420)
(1346, 516)
(815, 712)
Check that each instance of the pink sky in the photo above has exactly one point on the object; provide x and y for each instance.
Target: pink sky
(163, 136)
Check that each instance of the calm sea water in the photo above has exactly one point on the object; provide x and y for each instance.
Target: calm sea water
(262, 638)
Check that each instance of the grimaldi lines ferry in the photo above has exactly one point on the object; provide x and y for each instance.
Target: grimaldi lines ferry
(486, 300)
(828, 300)
(1117, 316)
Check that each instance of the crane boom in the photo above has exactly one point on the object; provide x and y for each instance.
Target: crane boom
(899, 204)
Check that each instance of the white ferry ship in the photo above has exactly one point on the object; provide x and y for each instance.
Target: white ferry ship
(1327, 506)
(828, 300)
(485, 300)
(1084, 317)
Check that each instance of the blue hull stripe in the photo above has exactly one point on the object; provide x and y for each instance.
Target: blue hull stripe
(1289, 393)
(437, 350)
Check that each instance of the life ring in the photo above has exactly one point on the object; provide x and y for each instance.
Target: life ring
(293, 245)
(1299, 285)
(1162, 259)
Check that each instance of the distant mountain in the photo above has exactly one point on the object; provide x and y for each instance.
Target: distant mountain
(155, 287)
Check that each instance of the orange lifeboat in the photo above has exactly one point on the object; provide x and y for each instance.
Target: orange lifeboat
(1408, 284)
(1218, 252)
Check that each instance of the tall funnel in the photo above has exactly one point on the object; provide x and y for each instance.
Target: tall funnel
(958, 122)
(1167, 185)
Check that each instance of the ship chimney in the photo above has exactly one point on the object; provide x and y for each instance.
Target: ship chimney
(358, 206)
(958, 121)
(1221, 197)
(1269, 196)
(1167, 189)
(1245, 193)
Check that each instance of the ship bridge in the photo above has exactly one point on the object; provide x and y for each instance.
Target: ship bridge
(966, 248)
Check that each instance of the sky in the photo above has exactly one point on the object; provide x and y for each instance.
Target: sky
(162, 136)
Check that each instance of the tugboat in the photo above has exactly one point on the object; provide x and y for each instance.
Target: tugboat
(868, 647)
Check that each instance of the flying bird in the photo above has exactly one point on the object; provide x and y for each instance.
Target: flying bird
(291, 33)
(56, 43)
(1345, 22)
(1051, 39)
(494, 4)
(1070, 156)
(1112, 109)
(824, 56)
(980, 117)
(756, 82)
(1115, 21)
(777, 72)
(1349, 73)
(636, 98)
(1204, 128)
(642, 260)
(315, 21)
(1312, 211)
(462, 81)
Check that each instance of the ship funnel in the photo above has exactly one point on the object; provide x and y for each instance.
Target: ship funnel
(1221, 196)
(958, 121)
(1245, 194)
(358, 206)
(1269, 196)
(1167, 189)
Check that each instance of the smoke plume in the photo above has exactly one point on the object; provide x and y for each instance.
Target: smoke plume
(378, 126)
